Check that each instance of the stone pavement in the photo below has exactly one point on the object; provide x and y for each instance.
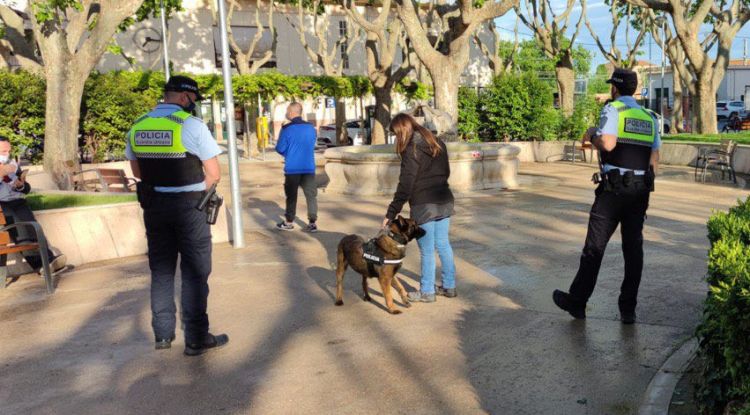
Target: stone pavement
(501, 347)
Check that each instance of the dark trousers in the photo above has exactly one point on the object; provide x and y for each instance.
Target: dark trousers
(292, 182)
(174, 226)
(628, 209)
(18, 211)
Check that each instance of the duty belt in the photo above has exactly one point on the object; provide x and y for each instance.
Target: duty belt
(616, 181)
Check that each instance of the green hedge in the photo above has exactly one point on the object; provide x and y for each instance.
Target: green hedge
(520, 107)
(111, 101)
(725, 329)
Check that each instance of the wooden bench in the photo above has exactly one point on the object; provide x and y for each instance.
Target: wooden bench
(8, 247)
(99, 179)
(114, 180)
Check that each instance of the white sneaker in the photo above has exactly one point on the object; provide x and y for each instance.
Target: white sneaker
(284, 226)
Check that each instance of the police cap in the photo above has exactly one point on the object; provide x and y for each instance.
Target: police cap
(624, 79)
(179, 83)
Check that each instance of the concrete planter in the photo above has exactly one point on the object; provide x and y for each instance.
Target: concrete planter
(374, 170)
(686, 154)
(672, 153)
(98, 233)
(542, 151)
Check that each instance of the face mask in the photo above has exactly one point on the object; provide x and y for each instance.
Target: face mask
(4, 159)
(190, 107)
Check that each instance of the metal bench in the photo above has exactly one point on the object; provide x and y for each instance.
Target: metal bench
(723, 158)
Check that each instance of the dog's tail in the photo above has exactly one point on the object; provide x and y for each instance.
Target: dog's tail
(341, 265)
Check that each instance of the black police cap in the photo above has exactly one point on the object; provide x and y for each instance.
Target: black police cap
(624, 78)
(179, 83)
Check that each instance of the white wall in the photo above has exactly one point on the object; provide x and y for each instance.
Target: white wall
(732, 88)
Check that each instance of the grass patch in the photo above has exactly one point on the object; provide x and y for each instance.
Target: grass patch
(41, 201)
(740, 138)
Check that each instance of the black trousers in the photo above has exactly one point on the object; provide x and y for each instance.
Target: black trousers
(628, 209)
(174, 226)
(292, 182)
(19, 211)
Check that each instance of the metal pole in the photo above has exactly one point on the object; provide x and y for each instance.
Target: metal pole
(744, 52)
(650, 66)
(164, 40)
(234, 173)
(661, 96)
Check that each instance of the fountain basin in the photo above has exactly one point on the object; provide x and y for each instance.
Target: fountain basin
(374, 170)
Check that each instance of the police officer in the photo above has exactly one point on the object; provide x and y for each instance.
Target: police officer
(628, 143)
(175, 157)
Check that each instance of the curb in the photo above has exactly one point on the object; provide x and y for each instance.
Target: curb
(661, 388)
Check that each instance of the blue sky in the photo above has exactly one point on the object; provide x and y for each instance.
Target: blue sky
(600, 17)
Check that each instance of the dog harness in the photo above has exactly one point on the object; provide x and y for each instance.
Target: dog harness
(373, 254)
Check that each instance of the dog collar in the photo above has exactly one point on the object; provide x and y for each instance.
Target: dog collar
(398, 238)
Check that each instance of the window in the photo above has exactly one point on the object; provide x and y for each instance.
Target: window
(344, 45)
(243, 35)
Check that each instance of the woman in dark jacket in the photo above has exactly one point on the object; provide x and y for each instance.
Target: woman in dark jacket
(423, 182)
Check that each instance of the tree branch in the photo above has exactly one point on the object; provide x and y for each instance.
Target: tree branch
(15, 41)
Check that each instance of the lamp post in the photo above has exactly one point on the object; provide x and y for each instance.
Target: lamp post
(238, 236)
(662, 21)
(164, 39)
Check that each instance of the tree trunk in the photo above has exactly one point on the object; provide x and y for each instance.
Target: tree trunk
(676, 117)
(445, 82)
(706, 100)
(62, 116)
(342, 136)
(383, 103)
(242, 63)
(566, 84)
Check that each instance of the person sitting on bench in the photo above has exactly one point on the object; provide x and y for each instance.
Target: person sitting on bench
(13, 191)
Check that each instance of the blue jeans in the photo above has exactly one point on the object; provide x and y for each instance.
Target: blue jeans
(436, 237)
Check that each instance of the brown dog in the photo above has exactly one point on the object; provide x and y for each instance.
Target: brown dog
(379, 258)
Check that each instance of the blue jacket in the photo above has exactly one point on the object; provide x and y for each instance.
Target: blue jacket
(297, 145)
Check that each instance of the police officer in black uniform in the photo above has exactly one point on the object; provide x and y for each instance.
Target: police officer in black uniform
(175, 157)
(628, 142)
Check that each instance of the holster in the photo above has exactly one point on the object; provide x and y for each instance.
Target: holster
(145, 194)
(650, 178)
(612, 180)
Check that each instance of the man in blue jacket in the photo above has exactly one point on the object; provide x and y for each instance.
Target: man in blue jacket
(297, 145)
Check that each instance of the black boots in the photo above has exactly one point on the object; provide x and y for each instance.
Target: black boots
(211, 342)
(563, 300)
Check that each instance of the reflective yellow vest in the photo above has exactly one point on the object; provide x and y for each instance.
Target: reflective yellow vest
(162, 158)
(636, 132)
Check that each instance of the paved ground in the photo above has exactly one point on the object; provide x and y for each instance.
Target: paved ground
(501, 347)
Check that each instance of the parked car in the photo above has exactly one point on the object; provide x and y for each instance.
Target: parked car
(667, 124)
(725, 109)
(327, 134)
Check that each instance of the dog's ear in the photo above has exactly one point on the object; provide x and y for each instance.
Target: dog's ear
(402, 223)
(419, 232)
